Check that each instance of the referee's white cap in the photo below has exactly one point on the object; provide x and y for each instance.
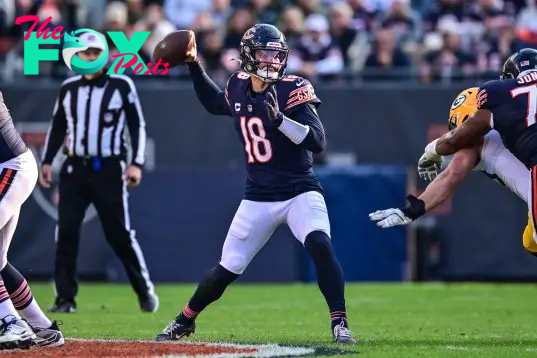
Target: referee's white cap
(92, 41)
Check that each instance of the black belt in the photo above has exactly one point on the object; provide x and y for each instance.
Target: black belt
(93, 161)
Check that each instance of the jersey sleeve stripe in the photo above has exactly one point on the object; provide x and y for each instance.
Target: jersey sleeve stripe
(301, 95)
(299, 102)
(295, 91)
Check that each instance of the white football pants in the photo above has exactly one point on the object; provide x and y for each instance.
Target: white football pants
(18, 177)
(255, 222)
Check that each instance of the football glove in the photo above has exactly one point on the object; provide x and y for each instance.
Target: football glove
(271, 105)
(395, 217)
(429, 167)
(390, 218)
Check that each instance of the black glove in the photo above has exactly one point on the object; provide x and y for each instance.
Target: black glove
(271, 104)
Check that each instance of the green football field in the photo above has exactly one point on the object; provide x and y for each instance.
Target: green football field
(392, 320)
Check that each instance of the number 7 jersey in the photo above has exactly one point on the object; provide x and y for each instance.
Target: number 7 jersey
(277, 169)
(513, 104)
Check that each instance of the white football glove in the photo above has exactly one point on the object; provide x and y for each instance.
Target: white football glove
(390, 218)
(429, 167)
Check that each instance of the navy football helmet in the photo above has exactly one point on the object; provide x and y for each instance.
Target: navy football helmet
(264, 52)
(520, 61)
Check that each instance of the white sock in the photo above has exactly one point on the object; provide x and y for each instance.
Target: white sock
(31, 311)
(35, 316)
(6, 307)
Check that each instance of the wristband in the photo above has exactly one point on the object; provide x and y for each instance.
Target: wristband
(415, 208)
(430, 149)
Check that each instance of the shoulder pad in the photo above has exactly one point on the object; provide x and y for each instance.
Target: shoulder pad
(298, 91)
(235, 79)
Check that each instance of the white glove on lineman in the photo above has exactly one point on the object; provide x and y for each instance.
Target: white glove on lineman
(428, 169)
(390, 218)
(430, 162)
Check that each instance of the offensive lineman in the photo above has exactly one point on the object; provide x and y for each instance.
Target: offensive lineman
(489, 157)
(277, 121)
(18, 176)
(509, 106)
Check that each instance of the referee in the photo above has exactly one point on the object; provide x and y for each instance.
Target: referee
(93, 111)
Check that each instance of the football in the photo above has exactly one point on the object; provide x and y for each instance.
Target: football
(172, 48)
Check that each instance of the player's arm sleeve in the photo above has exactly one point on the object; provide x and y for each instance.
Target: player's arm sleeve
(57, 130)
(444, 186)
(211, 97)
(135, 123)
(304, 128)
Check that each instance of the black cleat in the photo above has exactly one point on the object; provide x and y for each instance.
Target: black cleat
(49, 337)
(63, 306)
(150, 303)
(176, 330)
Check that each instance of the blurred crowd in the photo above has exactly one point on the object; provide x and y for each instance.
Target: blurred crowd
(332, 40)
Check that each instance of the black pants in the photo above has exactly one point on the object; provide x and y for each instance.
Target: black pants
(81, 183)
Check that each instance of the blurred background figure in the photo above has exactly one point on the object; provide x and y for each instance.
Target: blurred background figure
(387, 60)
(182, 13)
(329, 39)
(405, 22)
(316, 54)
(292, 25)
(211, 54)
(154, 21)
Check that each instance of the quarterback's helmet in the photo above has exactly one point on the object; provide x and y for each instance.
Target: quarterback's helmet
(263, 52)
(520, 61)
(463, 107)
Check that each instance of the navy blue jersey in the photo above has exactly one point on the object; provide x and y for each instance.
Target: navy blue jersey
(277, 168)
(11, 143)
(513, 104)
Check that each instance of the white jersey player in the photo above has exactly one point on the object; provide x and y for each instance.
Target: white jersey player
(18, 176)
(490, 157)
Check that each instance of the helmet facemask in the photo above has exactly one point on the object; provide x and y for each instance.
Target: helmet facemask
(266, 63)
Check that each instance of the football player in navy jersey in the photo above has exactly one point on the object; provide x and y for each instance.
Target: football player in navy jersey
(22, 322)
(277, 122)
(509, 106)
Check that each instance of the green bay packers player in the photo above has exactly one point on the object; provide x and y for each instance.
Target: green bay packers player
(489, 156)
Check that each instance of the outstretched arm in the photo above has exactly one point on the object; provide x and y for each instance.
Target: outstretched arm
(436, 193)
(57, 130)
(443, 187)
(211, 97)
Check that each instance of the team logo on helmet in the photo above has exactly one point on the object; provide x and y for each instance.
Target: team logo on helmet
(458, 101)
(249, 33)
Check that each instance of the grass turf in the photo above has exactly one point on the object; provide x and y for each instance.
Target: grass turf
(392, 320)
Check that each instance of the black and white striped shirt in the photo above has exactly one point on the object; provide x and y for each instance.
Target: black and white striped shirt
(93, 113)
